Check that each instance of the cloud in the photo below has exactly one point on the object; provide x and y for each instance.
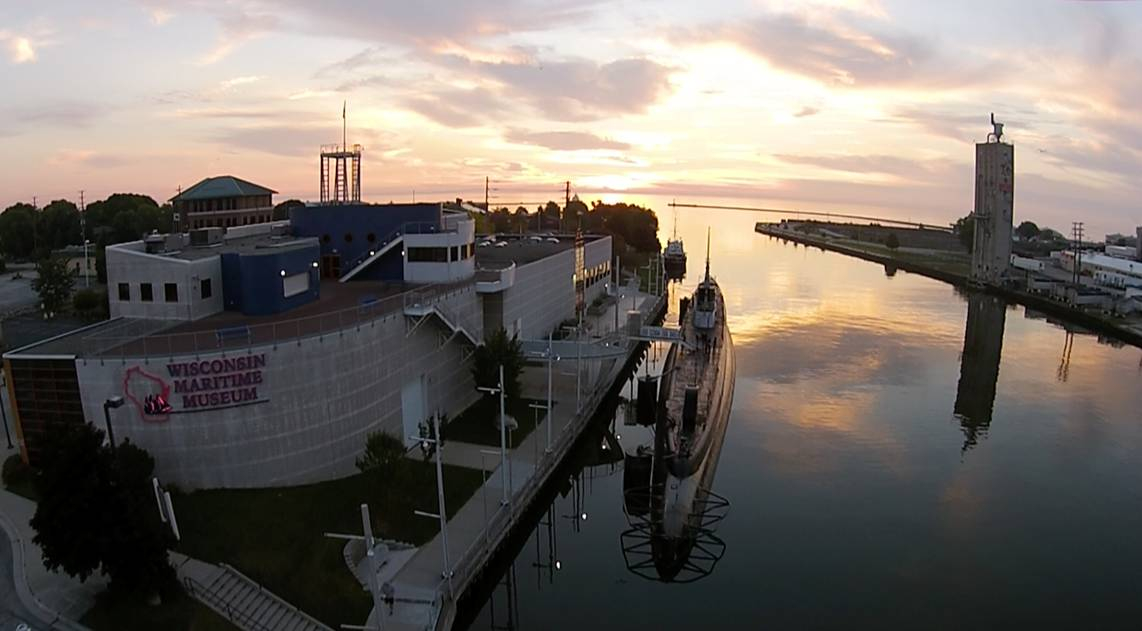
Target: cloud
(293, 141)
(20, 48)
(457, 107)
(563, 140)
(577, 90)
(882, 164)
(86, 158)
(61, 113)
(237, 27)
(842, 54)
(808, 110)
(238, 81)
(939, 121)
(224, 112)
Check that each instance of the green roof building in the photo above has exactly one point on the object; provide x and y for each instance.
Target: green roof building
(224, 201)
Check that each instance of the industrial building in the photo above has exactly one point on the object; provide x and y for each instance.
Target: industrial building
(994, 205)
(1109, 271)
(264, 354)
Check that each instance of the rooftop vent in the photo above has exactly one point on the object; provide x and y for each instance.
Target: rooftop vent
(205, 237)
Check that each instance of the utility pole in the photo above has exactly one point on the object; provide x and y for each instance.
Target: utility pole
(83, 235)
(35, 231)
(1077, 233)
(487, 187)
(566, 202)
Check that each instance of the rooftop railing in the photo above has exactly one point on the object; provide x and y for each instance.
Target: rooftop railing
(142, 337)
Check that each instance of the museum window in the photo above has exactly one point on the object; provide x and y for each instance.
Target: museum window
(146, 293)
(205, 289)
(170, 292)
(124, 292)
(428, 255)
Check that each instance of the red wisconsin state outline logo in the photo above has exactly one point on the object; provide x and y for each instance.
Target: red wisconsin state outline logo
(150, 394)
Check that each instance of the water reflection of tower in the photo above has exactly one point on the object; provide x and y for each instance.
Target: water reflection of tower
(979, 365)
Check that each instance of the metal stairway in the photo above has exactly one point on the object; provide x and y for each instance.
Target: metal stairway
(368, 258)
(248, 605)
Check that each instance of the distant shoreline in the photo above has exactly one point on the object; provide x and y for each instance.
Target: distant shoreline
(1086, 320)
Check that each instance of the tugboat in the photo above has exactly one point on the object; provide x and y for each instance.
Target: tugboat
(674, 256)
(673, 513)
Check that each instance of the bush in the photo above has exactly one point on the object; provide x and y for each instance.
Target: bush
(382, 451)
(16, 472)
(89, 302)
(892, 242)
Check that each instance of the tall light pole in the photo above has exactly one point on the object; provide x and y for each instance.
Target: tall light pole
(503, 435)
(550, 359)
(442, 515)
(113, 402)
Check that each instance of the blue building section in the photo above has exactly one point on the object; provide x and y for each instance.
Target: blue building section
(256, 283)
(349, 232)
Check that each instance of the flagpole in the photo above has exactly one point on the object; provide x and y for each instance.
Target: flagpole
(344, 135)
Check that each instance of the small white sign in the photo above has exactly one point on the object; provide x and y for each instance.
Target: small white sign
(661, 333)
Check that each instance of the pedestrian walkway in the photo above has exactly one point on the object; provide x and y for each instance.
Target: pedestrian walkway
(56, 599)
(473, 528)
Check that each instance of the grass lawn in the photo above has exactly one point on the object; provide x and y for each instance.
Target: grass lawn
(178, 612)
(478, 424)
(275, 535)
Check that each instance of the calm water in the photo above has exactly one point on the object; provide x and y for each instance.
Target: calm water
(898, 455)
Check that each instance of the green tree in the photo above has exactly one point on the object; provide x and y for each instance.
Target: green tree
(964, 228)
(18, 231)
(97, 512)
(59, 225)
(54, 284)
(892, 241)
(1027, 230)
(498, 350)
(637, 226)
(573, 212)
(90, 304)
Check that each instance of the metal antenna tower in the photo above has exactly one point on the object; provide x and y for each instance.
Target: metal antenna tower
(340, 176)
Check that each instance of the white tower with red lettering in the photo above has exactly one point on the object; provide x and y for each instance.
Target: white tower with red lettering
(994, 205)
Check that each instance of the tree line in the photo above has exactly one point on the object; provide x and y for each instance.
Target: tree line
(629, 225)
(29, 233)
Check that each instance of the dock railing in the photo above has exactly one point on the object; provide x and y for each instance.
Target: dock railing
(472, 561)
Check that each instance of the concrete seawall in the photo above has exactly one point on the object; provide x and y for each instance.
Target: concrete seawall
(1039, 303)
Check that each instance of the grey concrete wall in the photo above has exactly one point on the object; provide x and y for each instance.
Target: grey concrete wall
(544, 292)
(322, 397)
(543, 296)
(134, 268)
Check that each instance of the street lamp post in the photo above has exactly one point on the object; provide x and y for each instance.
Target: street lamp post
(503, 435)
(112, 402)
(550, 359)
(442, 515)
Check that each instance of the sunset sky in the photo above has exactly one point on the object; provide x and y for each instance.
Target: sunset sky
(867, 105)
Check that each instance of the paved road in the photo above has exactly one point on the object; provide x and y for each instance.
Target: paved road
(12, 611)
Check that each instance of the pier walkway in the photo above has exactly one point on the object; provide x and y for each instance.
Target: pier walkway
(422, 597)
